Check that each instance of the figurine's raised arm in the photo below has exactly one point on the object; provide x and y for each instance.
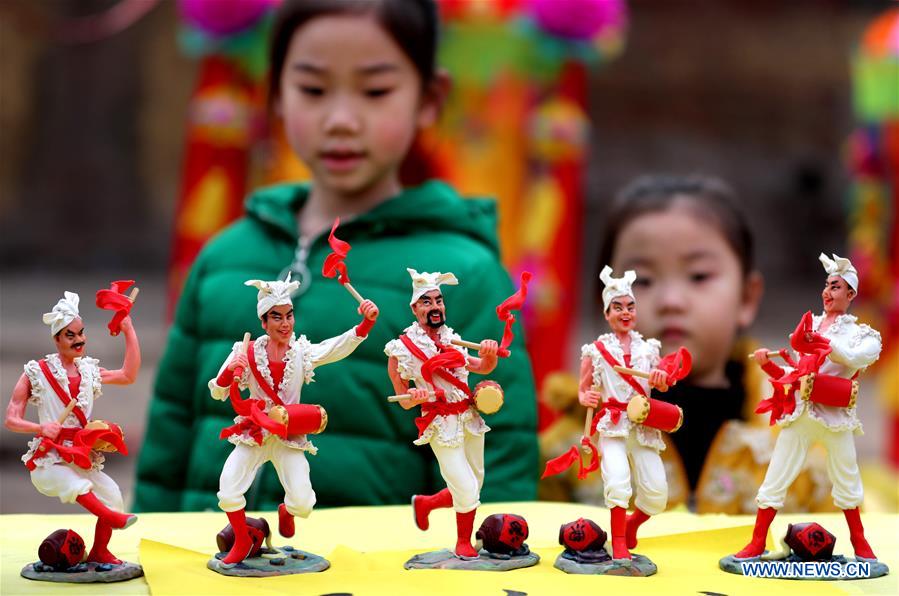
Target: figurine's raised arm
(128, 373)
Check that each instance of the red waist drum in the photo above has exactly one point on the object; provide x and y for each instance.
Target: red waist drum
(655, 413)
(301, 419)
(829, 390)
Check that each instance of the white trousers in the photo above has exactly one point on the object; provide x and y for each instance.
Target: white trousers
(290, 464)
(462, 469)
(788, 459)
(619, 456)
(70, 482)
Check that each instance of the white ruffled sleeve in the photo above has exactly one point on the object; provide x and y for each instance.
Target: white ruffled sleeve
(860, 350)
(404, 364)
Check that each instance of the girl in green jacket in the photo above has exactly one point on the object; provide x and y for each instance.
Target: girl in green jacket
(353, 82)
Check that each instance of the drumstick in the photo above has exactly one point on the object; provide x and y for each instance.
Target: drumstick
(462, 343)
(631, 371)
(65, 413)
(238, 371)
(405, 396)
(354, 293)
(133, 295)
(771, 354)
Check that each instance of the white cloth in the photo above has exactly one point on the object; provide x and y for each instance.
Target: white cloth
(616, 286)
(855, 347)
(52, 476)
(788, 460)
(300, 362)
(244, 461)
(840, 266)
(50, 407)
(644, 357)
(65, 311)
(447, 431)
(272, 293)
(68, 482)
(618, 455)
(422, 283)
(462, 468)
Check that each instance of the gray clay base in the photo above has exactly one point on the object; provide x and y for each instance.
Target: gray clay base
(283, 560)
(732, 565)
(446, 559)
(83, 573)
(638, 566)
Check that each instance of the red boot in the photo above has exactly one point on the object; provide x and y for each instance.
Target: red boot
(243, 544)
(634, 521)
(619, 544)
(464, 524)
(423, 505)
(116, 520)
(99, 553)
(756, 546)
(286, 526)
(857, 536)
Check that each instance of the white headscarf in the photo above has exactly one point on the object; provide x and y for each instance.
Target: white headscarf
(616, 286)
(65, 311)
(842, 267)
(272, 293)
(422, 283)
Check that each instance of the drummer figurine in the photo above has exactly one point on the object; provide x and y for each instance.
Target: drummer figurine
(272, 424)
(628, 443)
(427, 354)
(66, 456)
(814, 401)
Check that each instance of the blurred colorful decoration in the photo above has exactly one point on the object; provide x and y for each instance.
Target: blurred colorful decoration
(873, 156)
(230, 143)
(514, 128)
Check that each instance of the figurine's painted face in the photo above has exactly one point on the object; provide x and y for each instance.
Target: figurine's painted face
(622, 314)
(690, 286)
(836, 295)
(352, 104)
(429, 310)
(71, 339)
(278, 323)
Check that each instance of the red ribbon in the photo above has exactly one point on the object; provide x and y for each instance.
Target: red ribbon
(504, 313)
(559, 464)
(613, 407)
(439, 364)
(334, 265)
(677, 365)
(813, 349)
(83, 440)
(253, 409)
(114, 299)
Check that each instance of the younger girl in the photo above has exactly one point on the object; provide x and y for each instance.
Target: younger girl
(697, 286)
(354, 81)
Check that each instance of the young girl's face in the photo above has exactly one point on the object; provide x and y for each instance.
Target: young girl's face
(352, 103)
(689, 286)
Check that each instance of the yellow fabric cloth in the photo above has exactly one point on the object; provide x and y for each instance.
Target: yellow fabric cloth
(368, 545)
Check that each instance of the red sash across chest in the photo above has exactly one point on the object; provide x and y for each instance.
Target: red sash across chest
(441, 407)
(77, 455)
(614, 407)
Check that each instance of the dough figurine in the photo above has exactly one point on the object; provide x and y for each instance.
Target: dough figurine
(66, 458)
(434, 357)
(272, 425)
(617, 372)
(814, 401)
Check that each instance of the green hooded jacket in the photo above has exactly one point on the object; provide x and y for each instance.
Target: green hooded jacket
(366, 455)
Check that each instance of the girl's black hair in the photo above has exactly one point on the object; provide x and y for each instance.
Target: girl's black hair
(413, 24)
(711, 198)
